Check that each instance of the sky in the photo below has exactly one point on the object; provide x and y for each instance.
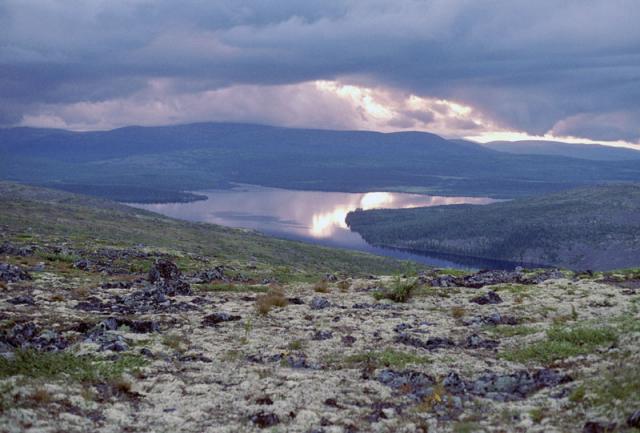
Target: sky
(479, 69)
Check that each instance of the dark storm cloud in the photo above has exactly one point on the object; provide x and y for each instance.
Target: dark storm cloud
(531, 66)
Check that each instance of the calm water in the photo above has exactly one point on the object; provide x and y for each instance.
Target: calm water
(314, 216)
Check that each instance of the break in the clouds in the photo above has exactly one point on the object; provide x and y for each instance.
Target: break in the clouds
(468, 68)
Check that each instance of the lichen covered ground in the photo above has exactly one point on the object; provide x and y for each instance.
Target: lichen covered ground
(91, 345)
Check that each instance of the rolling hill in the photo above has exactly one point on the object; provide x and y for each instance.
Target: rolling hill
(593, 152)
(160, 163)
(28, 212)
(595, 228)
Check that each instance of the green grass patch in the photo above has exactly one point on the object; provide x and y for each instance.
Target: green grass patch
(510, 331)
(53, 365)
(57, 257)
(385, 358)
(516, 289)
(620, 387)
(563, 342)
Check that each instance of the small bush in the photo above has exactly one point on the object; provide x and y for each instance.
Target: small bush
(344, 285)
(41, 396)
(457, 312)
(578, 394)
(321, 286)
(265, 303)
(538, 414)
(177, 342)
(401, 291)
(296, 345)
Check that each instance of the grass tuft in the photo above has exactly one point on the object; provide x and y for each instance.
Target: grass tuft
(400, 291)
(265, 303)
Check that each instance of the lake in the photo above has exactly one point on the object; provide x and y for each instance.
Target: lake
(314, 216)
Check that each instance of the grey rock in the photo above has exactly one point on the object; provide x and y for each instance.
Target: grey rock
(11, 273)
(490, 297)
(322, 335)
(22, 299)
(216, 318)
(318, 303)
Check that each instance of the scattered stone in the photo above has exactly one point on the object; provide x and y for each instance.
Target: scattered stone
(167, 278)
(215, 318)
(490, 297)
(378, 306)
(22, 300)
(330, 277)
(83, 264)
(322, 335)
(10, 249)
(163, 270)
(266, 401)
(490, 277)
(432, 343)
(348, 340)
(401, 327)
(11, 273)
(332, 403)
(318, 303)
(492, 319)
(286, 360)
(500, 387)
(147, 352)
(515, 386)
(416, 385)
(634, 420)
(209, 275)
(265, 419)
(474, 341)
(599, 427)
(198, 357)
(29, 336)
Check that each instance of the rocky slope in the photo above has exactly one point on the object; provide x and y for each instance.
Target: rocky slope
(89, 345)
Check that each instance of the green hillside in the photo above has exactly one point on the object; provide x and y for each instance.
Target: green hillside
(595, 227)
(30, 213)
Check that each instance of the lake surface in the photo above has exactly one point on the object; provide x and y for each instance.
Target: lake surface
(314, 216)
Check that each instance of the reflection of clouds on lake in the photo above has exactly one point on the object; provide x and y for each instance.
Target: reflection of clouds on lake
(373, 200)
(307, 215)
(325, 224)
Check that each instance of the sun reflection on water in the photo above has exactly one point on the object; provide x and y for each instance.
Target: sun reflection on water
(325, 224)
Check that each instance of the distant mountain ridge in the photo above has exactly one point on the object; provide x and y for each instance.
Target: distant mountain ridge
(595, 152)
(160, 163)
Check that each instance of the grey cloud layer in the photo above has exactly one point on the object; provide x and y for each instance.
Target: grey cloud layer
(532, 66)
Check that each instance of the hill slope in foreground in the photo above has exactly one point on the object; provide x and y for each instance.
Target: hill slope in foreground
(589, 228)
(99, 333)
